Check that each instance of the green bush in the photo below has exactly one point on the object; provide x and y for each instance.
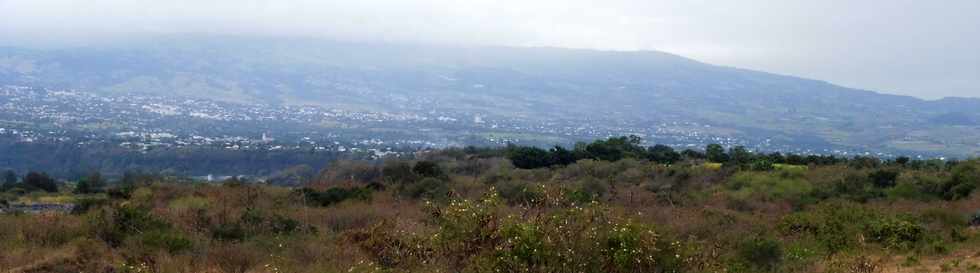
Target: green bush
(114, 225)
(588, 191)
(839, 226)
(428, 188)
(883, 178)
(579, 240)
(850, 185)
(520, 193)
(769, 186)
(959, 191)
(398, 172)
(279, 224)
(525, 247)
(761, 253)
(836, 226)
(391, 248)
(477, 236)
(893, 232)
(429, 169)
(170, 241)
(254, 222)
(334, 195)
(965, 177)
(229, 232)
(762, 165)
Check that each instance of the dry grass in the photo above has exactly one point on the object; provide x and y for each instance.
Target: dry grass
(690, 208)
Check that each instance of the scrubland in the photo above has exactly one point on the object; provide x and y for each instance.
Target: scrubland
(472, 210)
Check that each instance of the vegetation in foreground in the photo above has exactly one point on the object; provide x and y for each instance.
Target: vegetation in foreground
(607, 206)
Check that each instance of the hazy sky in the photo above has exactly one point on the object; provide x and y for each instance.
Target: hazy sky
(925, 48)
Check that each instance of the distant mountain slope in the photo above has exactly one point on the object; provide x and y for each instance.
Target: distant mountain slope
(546, 84)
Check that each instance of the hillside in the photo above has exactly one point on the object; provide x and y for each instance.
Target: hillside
(649, 93)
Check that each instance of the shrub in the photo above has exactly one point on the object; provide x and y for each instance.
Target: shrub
(525, 247)
(631, 248)
(398, 172)
(114, 225)
(342, 171)
(893, 232)
(279, 224)
(254, 222)
(762, 165)
(234, 258)
(761, 253)
(588, 191)
(47, 230)
(229, 232)
(963, 181)
(42, 181)
(350, 217)
(849, 185)
(530, 157)
(944, 218)
(520, 193)
(763, 185)
(429, 169)
(467, 227)
(428, 188)
(477, 237)
(975, 219)
(170, 241)
(959, 191)
(852, 263)
(334, 195)
(883, 178)
(84, 204)
(92, 183)
(836, 226)
(391, 248)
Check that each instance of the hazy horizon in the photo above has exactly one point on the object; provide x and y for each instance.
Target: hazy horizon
(911, 48)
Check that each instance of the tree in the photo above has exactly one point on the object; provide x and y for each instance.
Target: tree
(762, 165)
(740, 155)
(795, 159)
(428, 169)
(902, 160)
(692, 154)
(561, 156)
(9, 180)
(884, 178)
(529, 157)
(93, 183)
(398, 172)
(965, 178)
(663, 154)
(40, 181)
(777, 158)
(716, 153)
(616, 148)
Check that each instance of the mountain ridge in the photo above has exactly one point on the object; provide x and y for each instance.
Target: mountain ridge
(641, 88)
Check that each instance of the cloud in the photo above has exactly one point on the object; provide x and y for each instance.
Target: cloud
(922, 48)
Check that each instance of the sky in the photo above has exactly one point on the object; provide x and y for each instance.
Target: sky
(922, 48)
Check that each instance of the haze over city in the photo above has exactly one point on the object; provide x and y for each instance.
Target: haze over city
(925, 49)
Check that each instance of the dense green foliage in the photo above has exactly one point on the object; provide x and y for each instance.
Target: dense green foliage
(618, 148)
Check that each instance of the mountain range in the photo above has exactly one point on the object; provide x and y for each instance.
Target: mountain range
(634, 90)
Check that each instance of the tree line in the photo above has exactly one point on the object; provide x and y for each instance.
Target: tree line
(617, 148)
